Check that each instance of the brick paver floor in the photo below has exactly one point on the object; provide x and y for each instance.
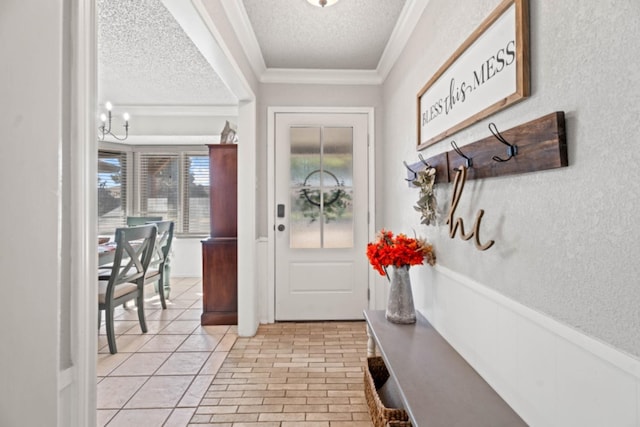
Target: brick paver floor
(290, 375)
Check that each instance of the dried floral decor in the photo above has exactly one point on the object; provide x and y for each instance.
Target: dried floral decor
(426, 205)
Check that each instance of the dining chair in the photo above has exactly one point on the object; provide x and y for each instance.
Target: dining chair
(141, 220)
(134, 249)
(132, 221)
(158, 270)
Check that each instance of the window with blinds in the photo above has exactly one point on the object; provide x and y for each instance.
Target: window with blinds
(172, 185)
(112, 191)
(196, 194)
(176, 187)
(159, 181)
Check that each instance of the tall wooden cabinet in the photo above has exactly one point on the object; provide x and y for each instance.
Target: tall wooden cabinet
(220, 250)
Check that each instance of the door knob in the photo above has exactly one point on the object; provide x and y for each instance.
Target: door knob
(281, 227)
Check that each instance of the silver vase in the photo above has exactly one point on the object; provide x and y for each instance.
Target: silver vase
(400, 307)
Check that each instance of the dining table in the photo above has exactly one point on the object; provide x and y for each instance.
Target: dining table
(106, 253)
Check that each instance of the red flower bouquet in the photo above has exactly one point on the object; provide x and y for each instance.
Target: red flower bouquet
(398, 251)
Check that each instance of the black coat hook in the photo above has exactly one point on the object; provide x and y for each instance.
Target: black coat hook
(468, 162)
(512, 149)
(424, 162)
(415, 174)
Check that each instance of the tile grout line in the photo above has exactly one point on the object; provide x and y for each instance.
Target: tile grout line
(148, 377)
(122, 407)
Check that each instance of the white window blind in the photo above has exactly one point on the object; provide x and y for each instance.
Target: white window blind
(159, 181)
(175, 186)
(196, 193)
(112, 191)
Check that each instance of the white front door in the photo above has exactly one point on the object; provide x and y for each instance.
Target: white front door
(321, 225)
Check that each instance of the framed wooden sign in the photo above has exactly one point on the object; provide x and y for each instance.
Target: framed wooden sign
(488, 72)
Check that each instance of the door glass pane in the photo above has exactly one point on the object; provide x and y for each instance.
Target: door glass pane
(321, 187)
(338, 227)
(304, 225)
(337, 163)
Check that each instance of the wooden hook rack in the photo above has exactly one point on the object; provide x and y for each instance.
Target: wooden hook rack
(541, 144)
(441, 164)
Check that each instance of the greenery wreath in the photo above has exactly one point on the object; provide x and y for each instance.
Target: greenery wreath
(337, 200)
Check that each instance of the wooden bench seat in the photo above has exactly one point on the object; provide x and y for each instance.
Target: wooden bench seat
(436, 385)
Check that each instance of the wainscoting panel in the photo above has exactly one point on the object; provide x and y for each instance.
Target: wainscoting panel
(551, 374)
(586, 383)
(262, 257)
(186, 257)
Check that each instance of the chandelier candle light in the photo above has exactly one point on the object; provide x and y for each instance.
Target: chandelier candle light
(105, 128)
(399, 252)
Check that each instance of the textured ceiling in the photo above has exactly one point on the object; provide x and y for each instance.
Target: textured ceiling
(351, 34)
(145, 58)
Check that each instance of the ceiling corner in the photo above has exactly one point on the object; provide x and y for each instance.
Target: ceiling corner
(405, 26)
(406, 23)
(239, 20)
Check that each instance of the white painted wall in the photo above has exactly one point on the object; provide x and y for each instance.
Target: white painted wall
(31, 135)
(549, 314)
(186, 257)
(150, 124)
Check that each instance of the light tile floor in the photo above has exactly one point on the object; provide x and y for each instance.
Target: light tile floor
(159, 378)
(183, 374)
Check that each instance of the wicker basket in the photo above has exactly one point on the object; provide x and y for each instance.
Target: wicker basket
(375, 376)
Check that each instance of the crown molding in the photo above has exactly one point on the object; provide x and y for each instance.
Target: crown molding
(310, 76)
(239, 20)
(407, 21)
(178, 110)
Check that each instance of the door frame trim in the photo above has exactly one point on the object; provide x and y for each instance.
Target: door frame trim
(77, 384)
(270, 295)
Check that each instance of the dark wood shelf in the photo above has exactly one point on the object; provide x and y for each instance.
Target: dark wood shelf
(219, 284)
(541, 145)
(437, 386)
(223, 189)
(220, 251)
